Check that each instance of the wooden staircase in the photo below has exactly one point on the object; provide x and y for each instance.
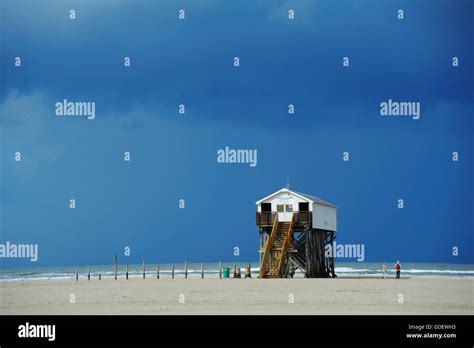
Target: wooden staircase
(276, 249)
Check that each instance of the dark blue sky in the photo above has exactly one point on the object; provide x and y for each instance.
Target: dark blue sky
(174, 156)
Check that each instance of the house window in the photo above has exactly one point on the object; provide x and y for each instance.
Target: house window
(266, 207)
(280, 208)
(289, 208)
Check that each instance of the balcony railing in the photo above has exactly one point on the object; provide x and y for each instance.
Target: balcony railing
(302, 217)
(265, 218)
(299, 218)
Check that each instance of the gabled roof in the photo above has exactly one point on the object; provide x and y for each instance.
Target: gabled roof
(304, 196)
(316, 200)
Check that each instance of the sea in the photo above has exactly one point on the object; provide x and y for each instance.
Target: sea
(343, 269)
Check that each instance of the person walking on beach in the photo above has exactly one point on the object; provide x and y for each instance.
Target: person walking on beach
(384, 270)
(397, 268)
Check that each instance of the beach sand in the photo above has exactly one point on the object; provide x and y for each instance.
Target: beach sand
(421, 295)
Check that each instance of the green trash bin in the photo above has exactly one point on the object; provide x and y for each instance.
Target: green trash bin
(226, 272)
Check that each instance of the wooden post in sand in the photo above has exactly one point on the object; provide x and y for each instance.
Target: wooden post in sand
(100, 277)
(115, 273)
(143, 269)
(158, 272)
(88, 272)
(185, 269)
(126, 271)
(172, 272)
(220, 270)
(202, 271)
(248, 272)
(77, 275)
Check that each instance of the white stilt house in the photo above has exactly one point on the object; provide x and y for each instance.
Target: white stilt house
(294, 231)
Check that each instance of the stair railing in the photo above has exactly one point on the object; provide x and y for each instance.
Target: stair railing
(285, 246)
(268, 246)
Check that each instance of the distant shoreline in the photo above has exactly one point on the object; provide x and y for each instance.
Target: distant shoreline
(343, 269)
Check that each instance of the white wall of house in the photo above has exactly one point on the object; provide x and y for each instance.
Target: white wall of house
(324, 217)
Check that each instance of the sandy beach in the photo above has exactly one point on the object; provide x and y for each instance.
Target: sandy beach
(421, 295)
